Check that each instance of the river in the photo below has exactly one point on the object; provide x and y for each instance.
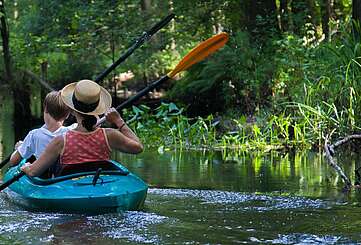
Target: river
(205, 197)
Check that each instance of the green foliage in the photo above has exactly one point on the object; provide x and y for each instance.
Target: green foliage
(166, 125)
(236, 77)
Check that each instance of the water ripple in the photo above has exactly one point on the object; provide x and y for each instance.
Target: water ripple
(264, 202)
(24, 221)
(298, 238)
(131, 225)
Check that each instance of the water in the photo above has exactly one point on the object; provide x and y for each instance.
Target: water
(201, 197)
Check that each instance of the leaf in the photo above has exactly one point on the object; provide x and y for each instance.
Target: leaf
(172, 107)
(161, 149)
(137, 111)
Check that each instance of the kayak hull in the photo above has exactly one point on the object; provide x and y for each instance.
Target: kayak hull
(111, 192)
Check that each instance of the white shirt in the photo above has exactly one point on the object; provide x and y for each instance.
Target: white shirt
(37, 140)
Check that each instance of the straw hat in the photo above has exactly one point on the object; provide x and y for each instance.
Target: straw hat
(86, 97)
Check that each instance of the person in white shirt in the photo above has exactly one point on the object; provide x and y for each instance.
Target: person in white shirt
(55, 112)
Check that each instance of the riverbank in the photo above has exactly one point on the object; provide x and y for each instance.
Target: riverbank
(167, 126)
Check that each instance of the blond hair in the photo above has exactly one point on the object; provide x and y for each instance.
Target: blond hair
(54, 105)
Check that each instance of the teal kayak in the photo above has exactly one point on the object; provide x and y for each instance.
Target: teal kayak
(103, 190)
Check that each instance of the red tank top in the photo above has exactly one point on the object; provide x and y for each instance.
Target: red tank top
(82, 147)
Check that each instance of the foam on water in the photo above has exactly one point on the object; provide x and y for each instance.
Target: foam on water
(132, 226)
(24, 221)
(265, 202)
(297, 238)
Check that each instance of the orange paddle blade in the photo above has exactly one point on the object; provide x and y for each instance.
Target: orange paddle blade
(200, 52)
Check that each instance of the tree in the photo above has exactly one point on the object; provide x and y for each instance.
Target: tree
(284, 15)
(5, 42)
(356, 16)
(300, 15)
(326, 12)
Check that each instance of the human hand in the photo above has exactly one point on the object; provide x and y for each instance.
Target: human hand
(113, 116)
(18, 144)
(26, 168)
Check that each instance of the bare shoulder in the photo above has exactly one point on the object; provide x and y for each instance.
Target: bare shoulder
(111, 132)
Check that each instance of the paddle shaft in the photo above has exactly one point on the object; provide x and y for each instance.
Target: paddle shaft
(136, 44)
(134, 98)
(5, 161)
(197, 54)
(12, 180)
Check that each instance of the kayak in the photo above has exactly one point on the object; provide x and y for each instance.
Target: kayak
(111, 188)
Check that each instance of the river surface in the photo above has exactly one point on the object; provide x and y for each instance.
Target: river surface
(206, 197)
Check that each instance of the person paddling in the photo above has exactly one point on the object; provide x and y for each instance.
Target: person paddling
(35, 142)
(86, 143)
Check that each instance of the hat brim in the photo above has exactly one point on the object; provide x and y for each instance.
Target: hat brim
(105, 100)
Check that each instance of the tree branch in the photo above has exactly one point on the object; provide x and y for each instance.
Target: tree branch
(329, 151)
(41, 81)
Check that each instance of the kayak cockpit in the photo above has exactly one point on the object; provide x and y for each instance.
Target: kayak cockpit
(84, 169)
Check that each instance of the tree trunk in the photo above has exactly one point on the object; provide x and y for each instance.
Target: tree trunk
(291, 25)
(313, 13)
(172, 26)
(5, 43)
(146, 7)
(283, 15)
(356, 17)
(326, 12)
(332, 9)
(300, 15)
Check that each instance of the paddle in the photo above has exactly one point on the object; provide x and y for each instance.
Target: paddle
(16, 177)
(136, 44)
(197, 54)
(5, 161)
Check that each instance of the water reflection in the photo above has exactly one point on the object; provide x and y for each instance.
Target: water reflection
(304, 173)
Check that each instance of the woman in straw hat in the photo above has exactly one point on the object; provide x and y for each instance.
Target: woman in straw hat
(86, 143)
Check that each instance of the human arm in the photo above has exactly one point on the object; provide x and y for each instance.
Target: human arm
(15, 158)
(46, 159)
(21, 148)
(123, 138)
